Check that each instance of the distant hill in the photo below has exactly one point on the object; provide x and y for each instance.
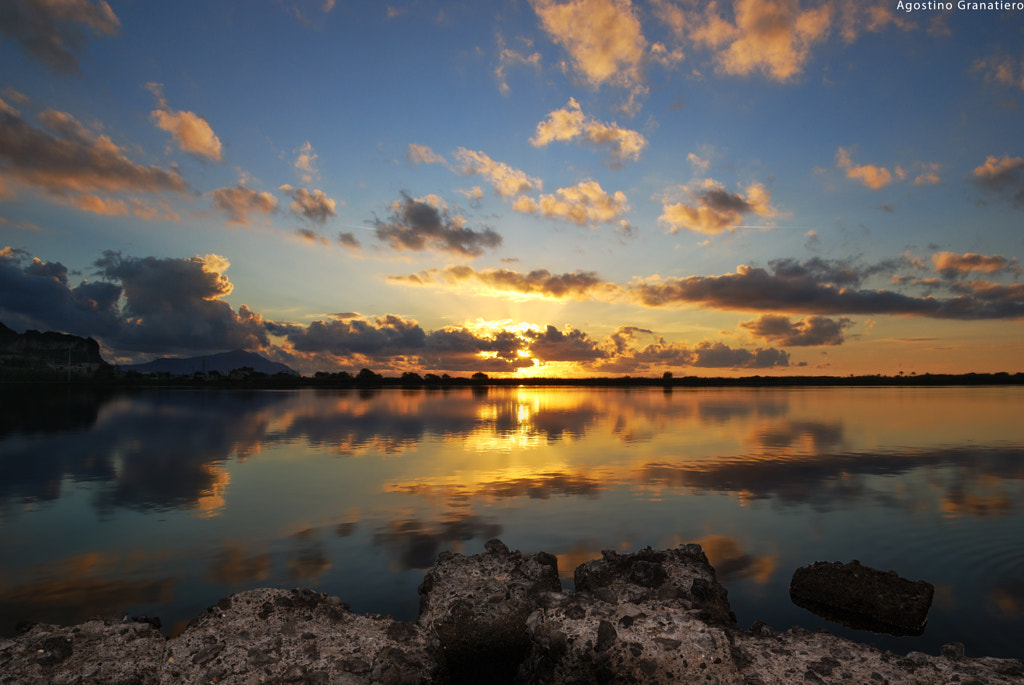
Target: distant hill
(49, 350)
(223, 363)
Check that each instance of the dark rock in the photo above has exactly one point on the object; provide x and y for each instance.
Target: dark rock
(953, 650)
(862, 597)
(680, 575)
(477, 606)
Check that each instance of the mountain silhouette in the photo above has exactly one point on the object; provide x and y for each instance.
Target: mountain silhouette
(223, 362)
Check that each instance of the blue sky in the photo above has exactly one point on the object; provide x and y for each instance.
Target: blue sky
(594, 187)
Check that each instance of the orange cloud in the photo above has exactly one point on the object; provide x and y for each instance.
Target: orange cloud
(717, 210)
(239, 202)
(771, 36)
(580, 285)
(508, 57)
(569, 123)
(315, 205)
(582, 203)
(506, 180)
(951, 264)
(604, 39)
(874, 177)
(67, 160)
(190, 131)
(421, 154)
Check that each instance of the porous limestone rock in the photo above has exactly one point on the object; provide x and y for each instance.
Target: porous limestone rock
(97, 651)
(477, 607)
(299, 636)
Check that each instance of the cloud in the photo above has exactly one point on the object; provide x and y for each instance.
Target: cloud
(582, 203)
(52, 31)
(579, 285)
(952, 265)
(394, 342)
(507, 58)
(569, 123)
(1002, 69)
(819, 287)
(717, 210)
(929, 175)
(305, 163)
(813, 330)
(190, 131)
(175, 304)
(421, 154)
(506, 180)
(314, 206)
(418, 225)
(1002, 176)
(773, 37)
(349, 240)
(37, 294)
(718, 355)
(552, 345)
(67, 159)
(604, 39)
(874, 177)
(626, 357)
(239, 202)
(141, 305)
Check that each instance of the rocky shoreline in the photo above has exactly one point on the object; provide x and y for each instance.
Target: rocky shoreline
(500, 616)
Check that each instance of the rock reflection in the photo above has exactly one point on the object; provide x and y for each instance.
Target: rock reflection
(417, 543)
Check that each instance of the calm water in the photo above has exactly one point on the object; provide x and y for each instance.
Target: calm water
(161, 502)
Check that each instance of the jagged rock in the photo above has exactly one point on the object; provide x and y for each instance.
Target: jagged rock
(591, 641)
(272, 635)
(96, 651)
(478, 606)
(862, 597)
(799, 656)
(681, 575)
(668, 622)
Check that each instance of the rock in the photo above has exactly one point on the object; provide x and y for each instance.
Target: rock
(862, 597)
(797, 656)
(301, 636)
(682, 575)
(590, 641)
(478, 606)
(668, 622)
(96, 651)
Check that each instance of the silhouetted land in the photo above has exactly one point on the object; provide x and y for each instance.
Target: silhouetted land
(245, 378)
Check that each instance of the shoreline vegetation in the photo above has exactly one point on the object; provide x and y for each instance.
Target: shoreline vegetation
(366, 379)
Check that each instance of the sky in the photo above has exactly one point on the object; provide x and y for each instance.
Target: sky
(557, 188)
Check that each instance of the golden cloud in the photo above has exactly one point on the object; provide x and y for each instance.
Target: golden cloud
(604, 38)
(569, 123)
(239, 202)
(190, 131)
(717, 210)
(874, 177)
(506, 180)
(771, 36)
(582, 203)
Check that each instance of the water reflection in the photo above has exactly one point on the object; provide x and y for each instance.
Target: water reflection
(360, 490)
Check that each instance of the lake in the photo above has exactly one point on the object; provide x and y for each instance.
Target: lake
(159, 502)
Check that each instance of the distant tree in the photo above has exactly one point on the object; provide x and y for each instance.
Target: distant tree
(365, 375)
(411, 378)
(667, 376)
(432, 378)
(479, 376)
